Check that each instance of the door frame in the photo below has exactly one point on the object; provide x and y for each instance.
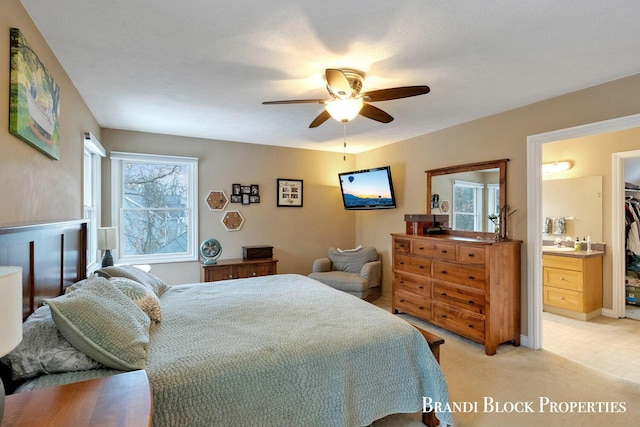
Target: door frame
(534, 217)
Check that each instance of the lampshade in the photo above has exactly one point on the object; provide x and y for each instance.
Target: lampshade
(10, 308)
(344, 110)
(107, 238)
(557, 166)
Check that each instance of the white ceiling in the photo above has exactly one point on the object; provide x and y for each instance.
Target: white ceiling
(202, 68)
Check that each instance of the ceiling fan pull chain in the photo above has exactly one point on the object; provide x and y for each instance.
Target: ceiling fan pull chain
(344, 145)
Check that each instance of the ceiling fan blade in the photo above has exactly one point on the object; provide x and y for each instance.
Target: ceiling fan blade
(297, 101)
(322, 117)
(338, 82)
(395, 93)
(374, 113)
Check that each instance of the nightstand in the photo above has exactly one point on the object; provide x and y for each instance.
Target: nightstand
(118, 400)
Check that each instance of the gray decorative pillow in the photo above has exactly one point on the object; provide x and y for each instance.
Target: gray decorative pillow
(351, 260)
(44, 350)
(141, 295)
(130, 272)
(103, 323)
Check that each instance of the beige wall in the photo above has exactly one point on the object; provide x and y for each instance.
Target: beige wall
(33, 186)
(298, 235)
(499, 136)
(593, 156)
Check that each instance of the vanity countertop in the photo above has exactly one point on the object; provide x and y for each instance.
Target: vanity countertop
(547, 250)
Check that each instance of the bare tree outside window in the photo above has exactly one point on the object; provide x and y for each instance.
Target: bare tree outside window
(154, 210)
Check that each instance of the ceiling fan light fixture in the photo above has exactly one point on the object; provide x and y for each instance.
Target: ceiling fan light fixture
(344, 110)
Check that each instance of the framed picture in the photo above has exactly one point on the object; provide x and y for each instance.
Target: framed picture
(34, 99)
(235, 189)
(255, 189)
(245, 189)
(245, 199)
(254, 199)
(236, 198)
(289, 193)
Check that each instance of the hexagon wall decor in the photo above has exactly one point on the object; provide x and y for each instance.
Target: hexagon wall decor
(216, 200)
(233, 220)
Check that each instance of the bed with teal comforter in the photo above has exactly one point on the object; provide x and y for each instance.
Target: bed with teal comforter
(283, 350)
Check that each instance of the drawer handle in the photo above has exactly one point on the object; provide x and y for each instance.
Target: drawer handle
(444, 316)
(421, 248)
(471, 302)
(470, 255)
(401, 300)
(471, 278)
(561, 298)
(420, 287)
(443, 272)
(443, 294)
(421, 267)
(561, 278)
(402, 282)
(401, 263)
(421, 308)
(471, 326)
(444, 251)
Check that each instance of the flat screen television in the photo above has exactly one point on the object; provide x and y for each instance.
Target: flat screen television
(367, 189)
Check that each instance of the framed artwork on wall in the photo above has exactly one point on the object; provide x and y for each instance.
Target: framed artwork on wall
(34, 99)
(289, 193)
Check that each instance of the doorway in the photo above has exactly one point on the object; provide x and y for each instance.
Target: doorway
(534, 220)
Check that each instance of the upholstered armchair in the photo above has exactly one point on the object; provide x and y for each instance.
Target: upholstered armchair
(355, 271)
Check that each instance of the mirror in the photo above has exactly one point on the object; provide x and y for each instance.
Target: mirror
(468, 194)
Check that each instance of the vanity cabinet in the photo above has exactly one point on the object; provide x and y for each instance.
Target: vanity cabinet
(468, 286)
(572, 284)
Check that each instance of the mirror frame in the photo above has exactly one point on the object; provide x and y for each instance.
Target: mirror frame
(501, 165)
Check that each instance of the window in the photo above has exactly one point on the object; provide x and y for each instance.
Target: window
(154, 204)
(467, 205)
(93, 151)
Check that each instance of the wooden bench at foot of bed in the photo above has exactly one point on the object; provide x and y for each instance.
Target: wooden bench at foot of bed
(429, 418)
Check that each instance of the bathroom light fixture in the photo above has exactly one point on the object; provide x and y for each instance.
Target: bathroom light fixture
(557, 166)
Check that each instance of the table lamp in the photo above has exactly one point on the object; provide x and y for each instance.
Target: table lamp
(10, 315)
(107, 240)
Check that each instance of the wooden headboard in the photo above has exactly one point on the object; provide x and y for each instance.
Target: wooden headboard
(52, 255)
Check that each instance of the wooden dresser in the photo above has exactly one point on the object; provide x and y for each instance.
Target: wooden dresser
(226, 269)
(572, 284)
(468, 286)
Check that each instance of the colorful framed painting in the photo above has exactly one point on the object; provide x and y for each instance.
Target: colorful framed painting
(289, 192)
(34, 99)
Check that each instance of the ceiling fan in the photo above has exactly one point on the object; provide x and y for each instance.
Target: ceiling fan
(346, 101)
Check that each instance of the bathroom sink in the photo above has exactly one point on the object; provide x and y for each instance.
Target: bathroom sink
(557, 249)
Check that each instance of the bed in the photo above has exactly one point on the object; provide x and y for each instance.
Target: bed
(267, 351)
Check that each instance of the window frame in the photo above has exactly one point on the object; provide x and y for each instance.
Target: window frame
(117, 159)
(478, 205)
(93, 152)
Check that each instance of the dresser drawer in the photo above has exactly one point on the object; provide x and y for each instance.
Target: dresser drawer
(565, 279)
(563, 298)
(434, 250)
(458, 273)
(416, 285)
(470, 254)
(565, 262)
(407, 302)
(459, 321)
(401, 246)
(458, 297)
(412, 264)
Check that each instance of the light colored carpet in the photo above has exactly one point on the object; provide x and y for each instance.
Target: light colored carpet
(518, 374)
